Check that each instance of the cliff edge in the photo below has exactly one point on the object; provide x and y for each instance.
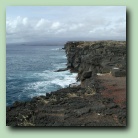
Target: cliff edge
(96, 57)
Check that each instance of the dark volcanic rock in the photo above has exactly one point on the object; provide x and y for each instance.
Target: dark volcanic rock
(80, 105)
(82, 111)
(87, 74)
(65, 108)
(118, 72)
(62, 69)
(89, 58)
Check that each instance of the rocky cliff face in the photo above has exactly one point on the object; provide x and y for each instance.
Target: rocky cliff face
(90, 58)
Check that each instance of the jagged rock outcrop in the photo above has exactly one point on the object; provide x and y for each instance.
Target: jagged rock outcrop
(66, 107)
(89, 58)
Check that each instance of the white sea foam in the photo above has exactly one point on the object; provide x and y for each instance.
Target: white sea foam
(36, 94)
(51, 81)
(64, 82)
(38, 85)
(56, 49)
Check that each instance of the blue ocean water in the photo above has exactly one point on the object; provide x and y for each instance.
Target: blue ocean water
(30, 71)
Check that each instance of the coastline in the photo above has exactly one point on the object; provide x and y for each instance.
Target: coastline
(93, 102)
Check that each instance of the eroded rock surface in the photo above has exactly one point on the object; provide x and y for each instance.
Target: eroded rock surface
(67, 107)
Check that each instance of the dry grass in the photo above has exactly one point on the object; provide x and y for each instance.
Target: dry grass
(90, 91)
(44, 101)
(72, 95)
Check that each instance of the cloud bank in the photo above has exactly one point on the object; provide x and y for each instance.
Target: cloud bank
(70, 22)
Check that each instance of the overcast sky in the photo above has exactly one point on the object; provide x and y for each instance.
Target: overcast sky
(43, 23)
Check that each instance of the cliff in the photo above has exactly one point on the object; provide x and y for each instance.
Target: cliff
(92, 58)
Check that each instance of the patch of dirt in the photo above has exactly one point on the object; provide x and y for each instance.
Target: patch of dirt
(115, 87)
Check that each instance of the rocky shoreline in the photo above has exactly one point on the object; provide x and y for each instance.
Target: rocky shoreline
(99, 100)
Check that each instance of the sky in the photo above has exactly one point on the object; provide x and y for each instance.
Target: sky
(64, 23)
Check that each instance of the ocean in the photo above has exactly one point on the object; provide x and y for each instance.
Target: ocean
(30, 71)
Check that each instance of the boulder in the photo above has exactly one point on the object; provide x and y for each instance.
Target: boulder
(87, 74)
(116, 72)
(105, 70)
